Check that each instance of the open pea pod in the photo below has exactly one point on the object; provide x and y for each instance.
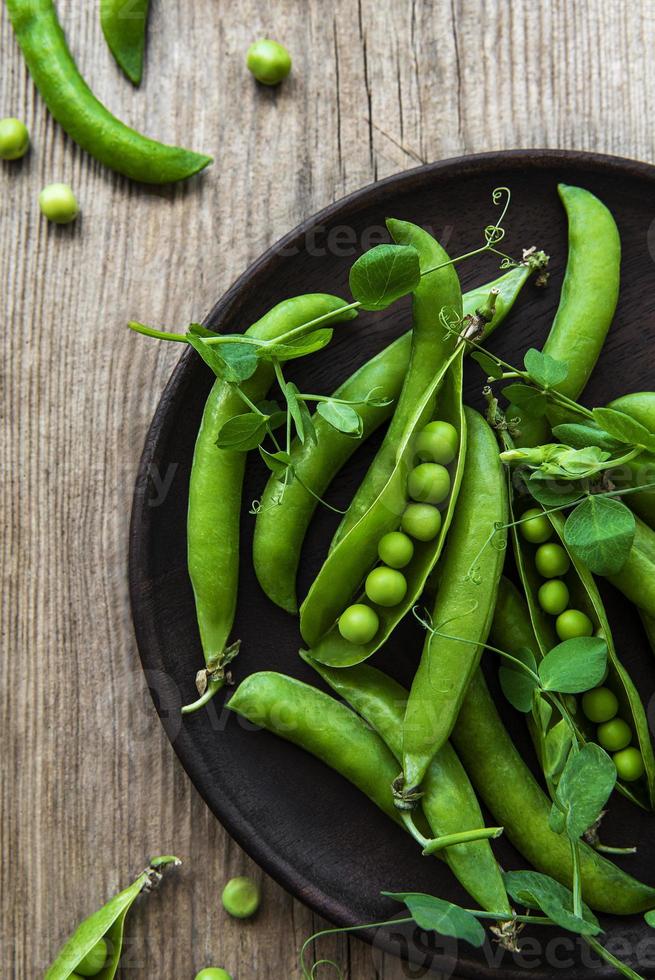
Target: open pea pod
(107, 923)
(584, 595)
(356, 554)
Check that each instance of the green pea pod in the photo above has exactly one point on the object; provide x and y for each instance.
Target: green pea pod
(586, 597)
(506, 785)
(590, 290)
(636, 580)
(468, 575)
(286, 511)
(215, 488)
(329, 730)
(340, 578)
(430, 349)
(124, 24)
(107, 923)
(649, 627)
(449, 801)
(641, 406)
(78, 111)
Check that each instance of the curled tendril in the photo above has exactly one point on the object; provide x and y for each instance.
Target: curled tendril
(255, 507)
(493, 234)
(335, 966)
(449, 320)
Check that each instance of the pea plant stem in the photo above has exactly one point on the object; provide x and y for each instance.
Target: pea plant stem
(605, 954)
(577, 879)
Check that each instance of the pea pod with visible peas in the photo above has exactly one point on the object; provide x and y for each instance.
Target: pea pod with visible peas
(640, 405)
(284, 517)
(215, 488)
(78, 111)
(542, 564)
(95, 947)
(449, 802)
(507, 786)
(124, 24)
(328, 621)
(468, 576)
(431, 346)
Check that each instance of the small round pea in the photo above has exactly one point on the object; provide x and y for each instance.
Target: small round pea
(600, 705)
(629, 764)
(213, 973)
(573, 623)
(58, 204)
(14, 139)
(241, 897)
(535, 526)
(437, 443)
(421, 521)
(429, 483)
(94, 960)
(551, 560)
(553, 596)
(614, 735)
(268, 61)
(358, 623)
(396, 549)
(385, 586)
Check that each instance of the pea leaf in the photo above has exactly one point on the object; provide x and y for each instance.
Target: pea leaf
(575, 665)
(384, 274)
(242, 432)
(557, 745)
(575, 464)
(581, 436)
(584, 788)
(517, 686)
(550, 492)
(539, 891)
(530, 400)
(291, 393)
(543, 712)
(490, 367)
(649, 918)
(308, 422)
(600, 532)
(624, 428)
(296, 347)
(198, 330)
(344, 418)
(544, 369)
(276, 416)
(231, 362)
(436, 915)
(278, 463)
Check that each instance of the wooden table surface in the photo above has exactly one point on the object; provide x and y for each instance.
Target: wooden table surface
(90, 785)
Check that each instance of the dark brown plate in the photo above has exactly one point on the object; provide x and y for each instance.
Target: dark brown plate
(304, 824)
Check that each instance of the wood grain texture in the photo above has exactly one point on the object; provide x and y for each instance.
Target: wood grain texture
(90, 785)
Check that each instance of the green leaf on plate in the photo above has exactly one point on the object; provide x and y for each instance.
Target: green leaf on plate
(575, 665)
(436, 915)
(344, 418)
(517, 685)
(278, 463)
(544, 369)
(624, 428)
(600, 532)
(539, 891)
(242, 432)
(584, 788)
(550, 492)
(384, 274)
(530, 400)
(490, 367)
(296, 347)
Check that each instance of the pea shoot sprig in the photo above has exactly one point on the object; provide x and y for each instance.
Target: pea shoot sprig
(379, 278)
(580, 471)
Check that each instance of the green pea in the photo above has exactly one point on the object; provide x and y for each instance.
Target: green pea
(213, 973)
(421, 521)
(14, 139)
(551, 560)
(94, 960)
(429, 483)
(241, 897)
(396, 549)
(573, 623)
(614, 735)
(438, 442)
(358, 623)
(58, 203)
(553, 596)
(268, 61)
(385, 586)
(600, 705)
(537, 528)
(629, 764)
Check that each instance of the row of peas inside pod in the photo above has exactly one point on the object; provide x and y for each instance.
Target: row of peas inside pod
(428, 486)
(600, 705)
